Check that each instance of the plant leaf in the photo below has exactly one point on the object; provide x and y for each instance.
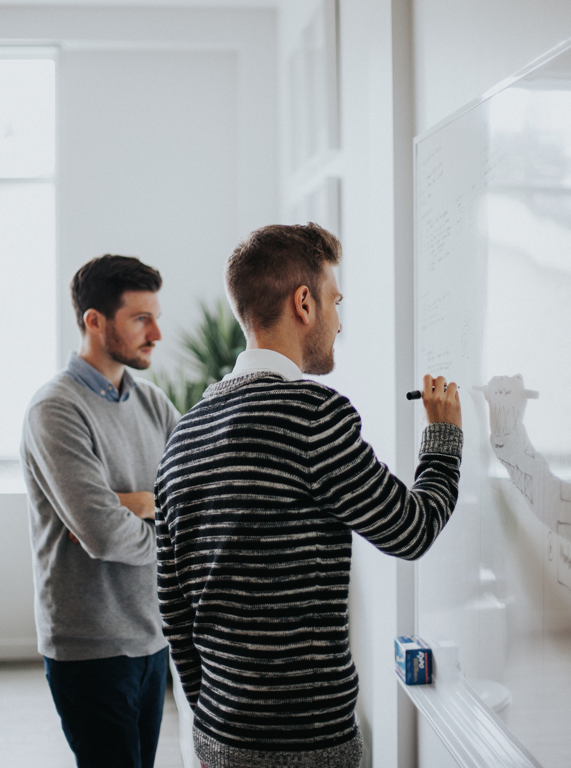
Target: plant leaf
(211, 351)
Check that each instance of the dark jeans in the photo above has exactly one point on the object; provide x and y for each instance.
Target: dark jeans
(110, 709)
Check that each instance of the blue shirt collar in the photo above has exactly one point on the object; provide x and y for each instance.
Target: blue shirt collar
(85, 374)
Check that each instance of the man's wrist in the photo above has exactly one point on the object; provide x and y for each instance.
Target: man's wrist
(442, 437)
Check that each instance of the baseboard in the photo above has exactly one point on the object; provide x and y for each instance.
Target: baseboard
(19, 649)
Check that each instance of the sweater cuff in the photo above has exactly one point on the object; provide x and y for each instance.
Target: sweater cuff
(442, 438)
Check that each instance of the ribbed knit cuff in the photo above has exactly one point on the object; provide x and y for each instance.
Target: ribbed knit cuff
(442, 438)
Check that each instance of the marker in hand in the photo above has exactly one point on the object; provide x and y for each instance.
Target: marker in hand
(417, 394)
(441, 401)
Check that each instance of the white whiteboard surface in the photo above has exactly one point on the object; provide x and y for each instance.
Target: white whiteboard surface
(493, 313)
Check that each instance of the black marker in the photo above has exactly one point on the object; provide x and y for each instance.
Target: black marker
(417, 394)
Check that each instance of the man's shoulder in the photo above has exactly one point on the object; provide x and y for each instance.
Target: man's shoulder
(262, 401)
(149, 389)
(150, 392)
(59, 390)
(315, 389)
(307, 393)
(155, 402)
(54, 408)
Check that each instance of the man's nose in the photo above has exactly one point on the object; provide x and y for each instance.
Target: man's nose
(155, 333)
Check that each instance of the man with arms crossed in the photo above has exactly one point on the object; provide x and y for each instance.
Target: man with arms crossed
(92, 441)
(258, 493)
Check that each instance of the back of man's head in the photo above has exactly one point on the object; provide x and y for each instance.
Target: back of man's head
(271, 263)
(101, 283)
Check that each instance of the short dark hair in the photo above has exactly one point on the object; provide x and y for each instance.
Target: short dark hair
(271, 263)
(101, 283)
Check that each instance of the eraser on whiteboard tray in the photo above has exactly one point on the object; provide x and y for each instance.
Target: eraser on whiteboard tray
(413, 659)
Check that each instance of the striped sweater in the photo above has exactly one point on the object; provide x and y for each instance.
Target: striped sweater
(259, 490)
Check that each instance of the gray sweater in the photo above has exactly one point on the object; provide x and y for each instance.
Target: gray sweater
(94, 599)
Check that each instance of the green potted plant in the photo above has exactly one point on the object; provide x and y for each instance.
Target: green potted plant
(207, 355)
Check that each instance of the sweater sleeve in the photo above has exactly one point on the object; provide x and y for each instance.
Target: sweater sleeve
(349, 482)
(177, 612)
(59, 454)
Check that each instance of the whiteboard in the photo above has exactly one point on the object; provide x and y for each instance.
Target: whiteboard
(493, 313)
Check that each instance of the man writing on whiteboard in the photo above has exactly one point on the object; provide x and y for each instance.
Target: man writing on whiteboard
(258, 493)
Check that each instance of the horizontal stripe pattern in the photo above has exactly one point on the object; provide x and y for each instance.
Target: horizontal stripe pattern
(258, 493)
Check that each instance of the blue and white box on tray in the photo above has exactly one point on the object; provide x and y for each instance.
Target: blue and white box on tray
(413, 659)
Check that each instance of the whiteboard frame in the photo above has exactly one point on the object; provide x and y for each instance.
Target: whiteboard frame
(501, 86)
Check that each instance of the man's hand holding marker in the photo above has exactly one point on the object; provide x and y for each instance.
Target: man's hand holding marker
(440, 400)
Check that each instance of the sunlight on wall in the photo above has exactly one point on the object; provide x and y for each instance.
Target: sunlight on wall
(27, 237)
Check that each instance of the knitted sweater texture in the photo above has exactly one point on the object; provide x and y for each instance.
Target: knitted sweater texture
(258, 493)
(97, 598)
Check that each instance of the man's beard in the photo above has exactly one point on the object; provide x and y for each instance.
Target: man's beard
(117, 351)
(318, 356)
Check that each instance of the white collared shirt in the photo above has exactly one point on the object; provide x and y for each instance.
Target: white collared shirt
(256, 360)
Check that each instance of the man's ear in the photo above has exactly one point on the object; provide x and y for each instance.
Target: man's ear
(302, 301)
(94, 321)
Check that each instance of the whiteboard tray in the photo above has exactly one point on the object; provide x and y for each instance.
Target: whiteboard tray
(470, 730)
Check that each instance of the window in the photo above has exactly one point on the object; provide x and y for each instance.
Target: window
(27, 241)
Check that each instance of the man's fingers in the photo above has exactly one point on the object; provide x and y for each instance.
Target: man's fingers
(72, 538)
(428, 384)
(441, 401)
(439, 384)
(433, 387)
(452, 389)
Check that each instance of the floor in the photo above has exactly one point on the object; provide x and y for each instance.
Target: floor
(30, 731)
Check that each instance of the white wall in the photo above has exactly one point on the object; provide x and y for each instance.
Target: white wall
(149, 168)
(168, 146)
(374, 164)
(460, 51)
(167, 151)
(463, 48)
